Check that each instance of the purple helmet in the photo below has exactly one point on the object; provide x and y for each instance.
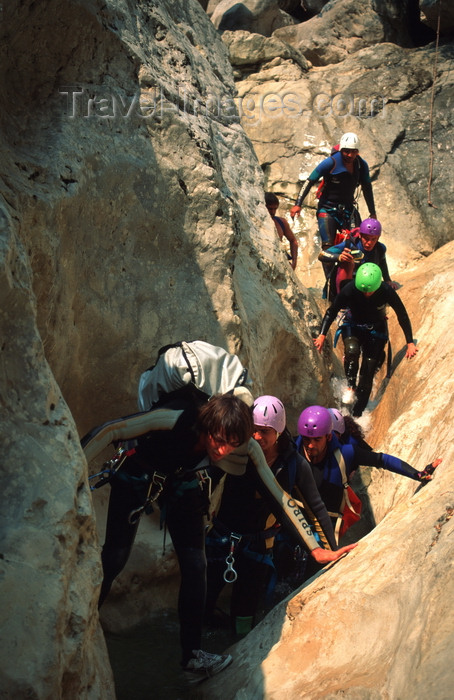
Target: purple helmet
(269, 412)
(315, 421)
(338, 420)
(370, 227)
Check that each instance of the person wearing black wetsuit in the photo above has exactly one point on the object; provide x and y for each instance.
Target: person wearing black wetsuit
(202, 434)
(365, 329)
(357, 248)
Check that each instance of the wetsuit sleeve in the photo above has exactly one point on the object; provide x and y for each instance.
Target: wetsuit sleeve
(367, 189)
(383, 264)
(368, 458)
(331, 254)
(397, 304)
(332, 311)
(305, 484)
(304, 191)
(322, 169)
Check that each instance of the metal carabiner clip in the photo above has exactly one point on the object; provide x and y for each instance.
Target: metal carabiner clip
(230, 575)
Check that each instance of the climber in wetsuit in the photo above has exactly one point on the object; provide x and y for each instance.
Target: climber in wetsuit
(282, 227)
(318, 445)
(343, 172)
(365, 330)
(355, 250)
(203, 434)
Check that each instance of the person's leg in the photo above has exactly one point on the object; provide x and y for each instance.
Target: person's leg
(327, 227)
(120, 534)
(184, 516)
(372, 353)
(254, 571)
(217, 549)
(352, 350)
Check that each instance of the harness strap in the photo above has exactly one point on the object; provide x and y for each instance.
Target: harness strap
(362, 326)
(345, 497)
(247, 537)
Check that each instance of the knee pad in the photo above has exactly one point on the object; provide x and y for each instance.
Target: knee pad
(351, 347)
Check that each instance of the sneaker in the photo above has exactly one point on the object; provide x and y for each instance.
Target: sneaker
(204, 665)
(348, 396)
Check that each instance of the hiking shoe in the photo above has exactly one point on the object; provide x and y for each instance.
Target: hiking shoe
(348, 396)
(204, 665)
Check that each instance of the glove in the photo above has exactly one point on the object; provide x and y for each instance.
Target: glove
(426, 474)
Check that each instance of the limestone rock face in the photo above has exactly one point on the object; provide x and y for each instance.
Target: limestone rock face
(259, 16)
(346, 26)
(251, 53)
(132, 215)
(434, 10)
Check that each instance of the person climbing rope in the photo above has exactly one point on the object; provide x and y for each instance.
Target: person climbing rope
(342, 172)
(365, 330)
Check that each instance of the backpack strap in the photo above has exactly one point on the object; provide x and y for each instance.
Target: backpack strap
(345, 497)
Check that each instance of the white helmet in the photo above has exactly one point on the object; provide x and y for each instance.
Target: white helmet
(349, 140)
(269, 412)
(338, 420)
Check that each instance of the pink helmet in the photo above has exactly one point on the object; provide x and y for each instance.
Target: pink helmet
(315, 421)
(338, 420)
(269, 412)
(370, 227)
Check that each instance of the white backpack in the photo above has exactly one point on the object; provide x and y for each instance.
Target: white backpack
(207, 368)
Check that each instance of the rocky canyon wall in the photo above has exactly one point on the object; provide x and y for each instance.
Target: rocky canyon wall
(132, 215)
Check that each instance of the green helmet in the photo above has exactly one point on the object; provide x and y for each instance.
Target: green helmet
(368, 278)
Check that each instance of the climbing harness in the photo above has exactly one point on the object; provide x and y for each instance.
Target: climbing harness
(345, 217)
(362, 326)
(111, 467)
(155, 489)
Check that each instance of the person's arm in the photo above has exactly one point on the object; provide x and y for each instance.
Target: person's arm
(332, 254)
(383, 264)
(315, 176)
(330, 315)
(290, 236)
(340, 253)
(369, 458)
(397, 304)
(306, 486)
(295, 210)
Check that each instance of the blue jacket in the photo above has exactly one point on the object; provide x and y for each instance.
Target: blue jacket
(328, 476)
(377, 255)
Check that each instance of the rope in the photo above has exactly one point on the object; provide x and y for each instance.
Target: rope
(429, 185)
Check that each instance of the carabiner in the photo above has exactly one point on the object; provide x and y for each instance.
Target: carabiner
(230, 575)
